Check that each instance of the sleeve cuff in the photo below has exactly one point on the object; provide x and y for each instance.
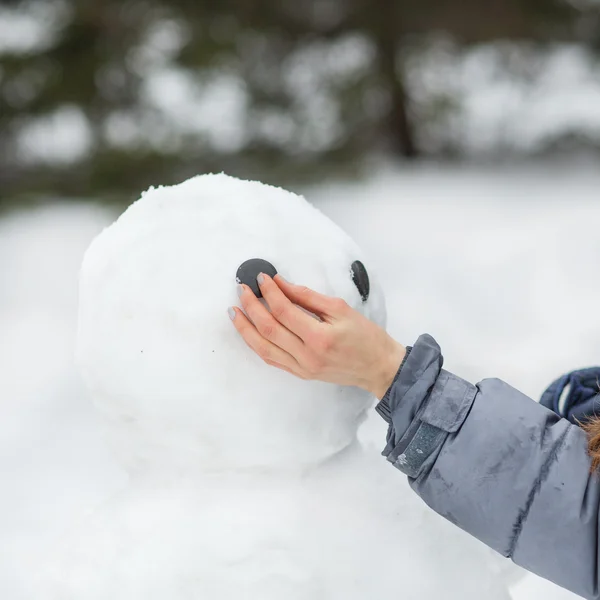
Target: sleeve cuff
(424, 405)
(416, 376)
(383, 407)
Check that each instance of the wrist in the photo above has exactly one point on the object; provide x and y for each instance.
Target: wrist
(388, 367)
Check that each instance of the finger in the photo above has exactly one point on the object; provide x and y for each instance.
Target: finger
(269, 352)
(284, 368)
(267, 325)
(286, 312)
(326, 307)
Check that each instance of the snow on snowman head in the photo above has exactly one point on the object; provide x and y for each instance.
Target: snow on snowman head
(177, 385)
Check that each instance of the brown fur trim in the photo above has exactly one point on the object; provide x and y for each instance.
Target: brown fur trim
(592, 428)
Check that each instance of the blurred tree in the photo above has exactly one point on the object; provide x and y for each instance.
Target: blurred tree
(152, 91)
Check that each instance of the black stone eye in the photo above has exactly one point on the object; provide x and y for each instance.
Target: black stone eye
(248, 272)
(361, 279)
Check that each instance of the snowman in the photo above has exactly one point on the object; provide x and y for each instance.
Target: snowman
(245, 483)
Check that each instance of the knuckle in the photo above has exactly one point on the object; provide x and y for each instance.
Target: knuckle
(339, 305)
(266, 330)
(324, 342)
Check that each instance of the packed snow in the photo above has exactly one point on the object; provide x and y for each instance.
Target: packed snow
(498, 265)
(156, 346)
(244, 483)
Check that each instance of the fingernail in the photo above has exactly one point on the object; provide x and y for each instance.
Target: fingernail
(260, 279)
(231, 312)
(284, 279)
(240, 290)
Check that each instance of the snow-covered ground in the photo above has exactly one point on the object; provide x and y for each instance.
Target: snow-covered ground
(499, 265)
(53, 462)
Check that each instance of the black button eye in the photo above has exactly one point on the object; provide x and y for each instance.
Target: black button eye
(361, 279)
(248, 272)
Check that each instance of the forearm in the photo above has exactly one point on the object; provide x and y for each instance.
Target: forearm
(498, 465)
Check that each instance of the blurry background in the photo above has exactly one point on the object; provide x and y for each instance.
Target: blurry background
(474, 123)
(104, 98)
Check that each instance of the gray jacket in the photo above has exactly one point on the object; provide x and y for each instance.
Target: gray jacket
(499, 465)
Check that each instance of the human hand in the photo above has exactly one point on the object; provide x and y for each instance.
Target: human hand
(339, 346)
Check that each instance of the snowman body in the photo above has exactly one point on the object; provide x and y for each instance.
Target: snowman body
(245, 482)
(343, 531)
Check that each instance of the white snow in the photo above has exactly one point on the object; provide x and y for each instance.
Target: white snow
(244, 483)
(507, 285)
(504, 96)
(60, 137)
(213, 106)
(53, 461)
(31, 27)
(156, 346)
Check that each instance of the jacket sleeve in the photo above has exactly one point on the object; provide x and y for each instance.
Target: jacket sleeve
(498, 465)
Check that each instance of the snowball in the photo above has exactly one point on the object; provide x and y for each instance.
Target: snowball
(167, 369)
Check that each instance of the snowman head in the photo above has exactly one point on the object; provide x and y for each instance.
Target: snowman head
(177, 384)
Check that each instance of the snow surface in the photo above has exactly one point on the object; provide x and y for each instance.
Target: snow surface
(505, 282)
(156, 346)
(245, 483)
(53, 461)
